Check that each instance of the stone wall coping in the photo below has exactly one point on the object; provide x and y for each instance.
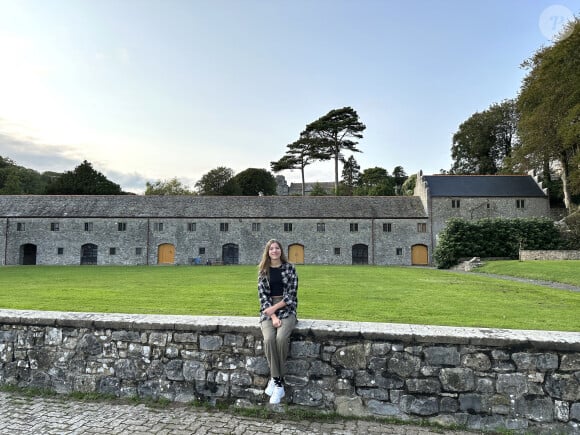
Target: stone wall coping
(545, 340)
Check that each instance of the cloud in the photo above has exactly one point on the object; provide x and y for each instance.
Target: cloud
(33, 154)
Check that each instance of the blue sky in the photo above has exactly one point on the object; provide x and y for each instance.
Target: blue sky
(156, 89)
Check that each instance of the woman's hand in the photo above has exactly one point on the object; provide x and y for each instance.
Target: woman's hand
(270, 311)
(276, 322)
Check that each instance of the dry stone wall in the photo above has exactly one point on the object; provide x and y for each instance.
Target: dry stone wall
(526, 255)
(483, 379)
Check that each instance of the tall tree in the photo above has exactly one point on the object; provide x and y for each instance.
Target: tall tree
(166, 187)
(350, 174)
(299, 154)
(253, 182)
(399, 176)
(483, 141)
(83, 180)
(337, 131)
(549, 107)
(218, 181)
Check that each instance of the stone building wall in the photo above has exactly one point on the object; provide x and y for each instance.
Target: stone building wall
(475, 377)
(526, 255)
(139, 240)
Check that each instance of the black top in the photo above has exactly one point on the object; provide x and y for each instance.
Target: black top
(276, 284)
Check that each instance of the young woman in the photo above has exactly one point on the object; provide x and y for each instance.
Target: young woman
(277, 290)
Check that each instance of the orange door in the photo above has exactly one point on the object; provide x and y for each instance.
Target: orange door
(419, 255)
(166, 254)
(296, 254)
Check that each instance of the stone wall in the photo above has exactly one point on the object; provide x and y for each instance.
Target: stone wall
(481, 378)
(526, 255)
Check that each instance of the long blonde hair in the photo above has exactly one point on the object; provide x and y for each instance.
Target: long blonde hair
(265, 262)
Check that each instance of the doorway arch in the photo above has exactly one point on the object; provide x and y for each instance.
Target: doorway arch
(230, 254)
(360, 254)
(296, 253)
(419, 255)
(28, 254)
(166, 253)
(89, 253)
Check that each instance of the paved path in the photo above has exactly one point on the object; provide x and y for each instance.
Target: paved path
(21, 414)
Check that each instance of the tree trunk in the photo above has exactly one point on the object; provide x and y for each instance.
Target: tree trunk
(565, 177)
(336, 173)
(303, 190)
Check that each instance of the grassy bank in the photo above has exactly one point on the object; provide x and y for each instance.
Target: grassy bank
(565, 271)
(358, 293)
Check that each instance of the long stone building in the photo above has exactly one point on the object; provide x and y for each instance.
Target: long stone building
(147, 230)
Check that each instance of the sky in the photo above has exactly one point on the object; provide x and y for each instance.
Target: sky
(150, 90)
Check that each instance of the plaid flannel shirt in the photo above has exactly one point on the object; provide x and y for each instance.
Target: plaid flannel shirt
(289, 296)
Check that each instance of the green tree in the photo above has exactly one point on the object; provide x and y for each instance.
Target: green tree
(334, 132)
(218, 181)
(254, 182)
(408, 187)
(399, 176)
(375, 182)
(549, 108)
(350, 175)
(18, 180)
(299, 154)
(483, 141)
(83, 180)
(167, 187)
(318, 190)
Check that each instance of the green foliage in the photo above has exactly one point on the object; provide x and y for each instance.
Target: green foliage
(549, 107)
(318, 190)
(167, 187)
(18, 180)
(356, 293)
(253, 182)
(483, 141)
(408, 186)
(350, 176)
(218, 181)
(493, 238)
(83, 180)
(375, 182)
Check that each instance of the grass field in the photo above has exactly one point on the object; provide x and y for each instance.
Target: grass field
(565, 271)
(358, 293)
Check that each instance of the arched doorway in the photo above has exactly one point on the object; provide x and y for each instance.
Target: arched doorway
(296, 254)
(89, 253)
(230, 253)
(360, 254)
(166, 254)
(419, 255)
(28, 254)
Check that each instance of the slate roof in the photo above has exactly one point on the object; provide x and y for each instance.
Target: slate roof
(338, 207)
(483, 185)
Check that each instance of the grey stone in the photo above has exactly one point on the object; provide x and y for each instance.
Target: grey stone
(570, 362)
(258, 365)
(536, 409)
(211, 342)
(442, 356)
(575, 412)
(423, 386)
(174, 370)
(514, 384)
(304, 349)
(350, 357)
(561, 410)
(476, 361)
(563, 386)
(404, 364)
(90, 344)
(308, 396)
(349, 406)
(383, 409)
(419, 405)
(194, 370)
(457, 379)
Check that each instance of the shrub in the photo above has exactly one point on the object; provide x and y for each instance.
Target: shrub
(493, 238)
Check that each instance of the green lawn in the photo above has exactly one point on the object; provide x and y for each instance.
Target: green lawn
(359, 293)
(565, 271)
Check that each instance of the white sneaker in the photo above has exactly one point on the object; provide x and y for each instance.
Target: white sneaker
(270, 387)
(277, 394)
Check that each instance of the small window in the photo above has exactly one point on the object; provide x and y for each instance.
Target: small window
(399, 251)
(488, 206)
(353, 227)
(191, 226)
(256, 226)
(20, 226)
(138, 251)
(455, 203)
(54, 226)
(321, 227)
(201, 251)
(336, 251)
(88, 226)
(421, 228)
(121, 226)
(158, 226)
(59, 251)
(387, 228)
(520, 203)
(288, 227)
(224, 226)
(112, 251)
